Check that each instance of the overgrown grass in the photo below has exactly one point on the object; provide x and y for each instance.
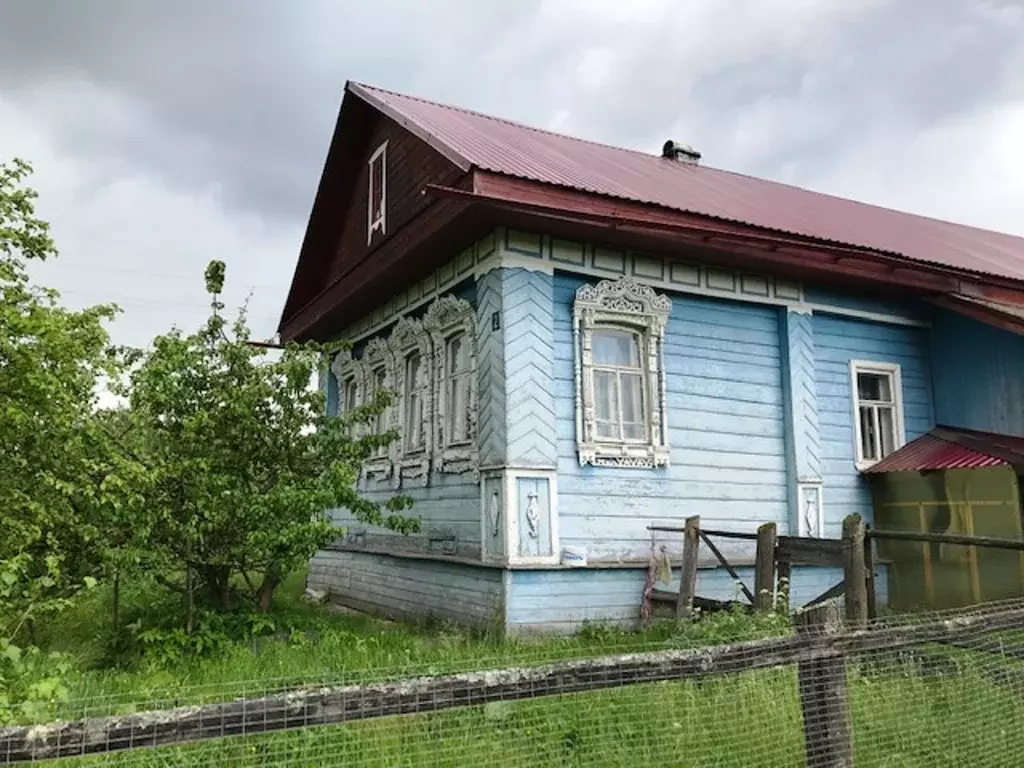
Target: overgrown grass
(967, 710)
(315, 643)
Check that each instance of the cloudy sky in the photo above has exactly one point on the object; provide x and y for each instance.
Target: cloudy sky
(165, 134)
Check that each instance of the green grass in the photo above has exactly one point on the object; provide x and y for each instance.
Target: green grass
(324, 645)
(903, 717)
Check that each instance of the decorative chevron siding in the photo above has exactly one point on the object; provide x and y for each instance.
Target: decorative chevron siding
(837, 341)
(802, 398)
(491, 369)
(528, 313)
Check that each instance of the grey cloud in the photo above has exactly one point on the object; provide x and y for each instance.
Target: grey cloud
(251, 88)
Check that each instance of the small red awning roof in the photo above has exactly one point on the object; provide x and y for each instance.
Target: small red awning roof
(951, 448)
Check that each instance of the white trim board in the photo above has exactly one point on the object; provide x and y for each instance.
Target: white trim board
(509, 249)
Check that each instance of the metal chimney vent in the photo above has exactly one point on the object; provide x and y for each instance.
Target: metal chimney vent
(684, 153)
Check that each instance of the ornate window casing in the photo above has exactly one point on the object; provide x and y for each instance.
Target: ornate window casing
(348, 372)
(413, 365)
(378, 373)
(618, 342)
(451, 323)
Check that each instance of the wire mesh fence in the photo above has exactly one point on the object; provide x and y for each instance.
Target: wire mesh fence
(922, 690)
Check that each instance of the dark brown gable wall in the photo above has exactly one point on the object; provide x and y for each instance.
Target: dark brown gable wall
(411, 165)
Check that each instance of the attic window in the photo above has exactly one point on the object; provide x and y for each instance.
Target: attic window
(376, 200)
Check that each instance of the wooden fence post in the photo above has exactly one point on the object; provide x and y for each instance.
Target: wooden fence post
(869, 569)
(764, 568)
(855, 574)
(688, 577)
(824, 698)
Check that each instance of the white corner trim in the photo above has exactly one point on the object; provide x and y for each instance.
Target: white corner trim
(896, 372)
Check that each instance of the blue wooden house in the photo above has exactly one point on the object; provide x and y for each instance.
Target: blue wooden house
(585, 341)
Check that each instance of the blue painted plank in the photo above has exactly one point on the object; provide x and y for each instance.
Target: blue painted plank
(991, 398)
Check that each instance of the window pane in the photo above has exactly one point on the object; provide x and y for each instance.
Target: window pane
(606, 403)
(867, 433)
(413, 422)
(632, 398)
(634, 431)
(458, 415)
(607, 429)
(458, 354)
(616, 348)
(377, 192)
(350, 396)
(413, 404)
(875, 387)
(887, 430)
(382, 418)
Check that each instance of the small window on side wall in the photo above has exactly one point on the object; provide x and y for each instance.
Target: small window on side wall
(878, 410)
(376, 201)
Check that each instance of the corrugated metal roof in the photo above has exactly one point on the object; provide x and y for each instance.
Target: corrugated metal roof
(501, 146)
(947, 448)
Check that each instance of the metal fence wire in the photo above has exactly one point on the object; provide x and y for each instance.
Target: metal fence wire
(924, 690)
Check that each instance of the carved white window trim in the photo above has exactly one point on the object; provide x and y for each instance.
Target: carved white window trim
(445, 318)
(377, 357)
(375, 219)
(621, 304)
(407, 338)
(347, 372)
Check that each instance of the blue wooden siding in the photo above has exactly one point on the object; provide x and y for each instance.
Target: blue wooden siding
(978, 373)
(410, 589)
(725, 417)
(838, 341)
(449, 506)
(560, 601)
(529, 370)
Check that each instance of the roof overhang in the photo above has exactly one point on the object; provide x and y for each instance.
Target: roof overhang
(612, 220)
(1009, 317)
(482, 200)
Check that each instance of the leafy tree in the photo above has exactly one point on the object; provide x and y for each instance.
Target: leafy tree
(51, 361)
(242, 460)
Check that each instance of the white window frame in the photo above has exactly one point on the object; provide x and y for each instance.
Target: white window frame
(622, 305)
(376, 357)
(377, 220)
(895, 373)
(408, 337)
(445, 318)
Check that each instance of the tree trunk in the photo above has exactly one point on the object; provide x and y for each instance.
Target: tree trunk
(266, 591)
(117, 603)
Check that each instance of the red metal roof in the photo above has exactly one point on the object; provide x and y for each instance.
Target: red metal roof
(471, 139)
(947, 448)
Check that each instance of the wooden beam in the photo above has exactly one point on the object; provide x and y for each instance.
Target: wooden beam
(725, 563)
(855, 571)
(824, 697)
(764, 569)
(802, 550)
(688, 576)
